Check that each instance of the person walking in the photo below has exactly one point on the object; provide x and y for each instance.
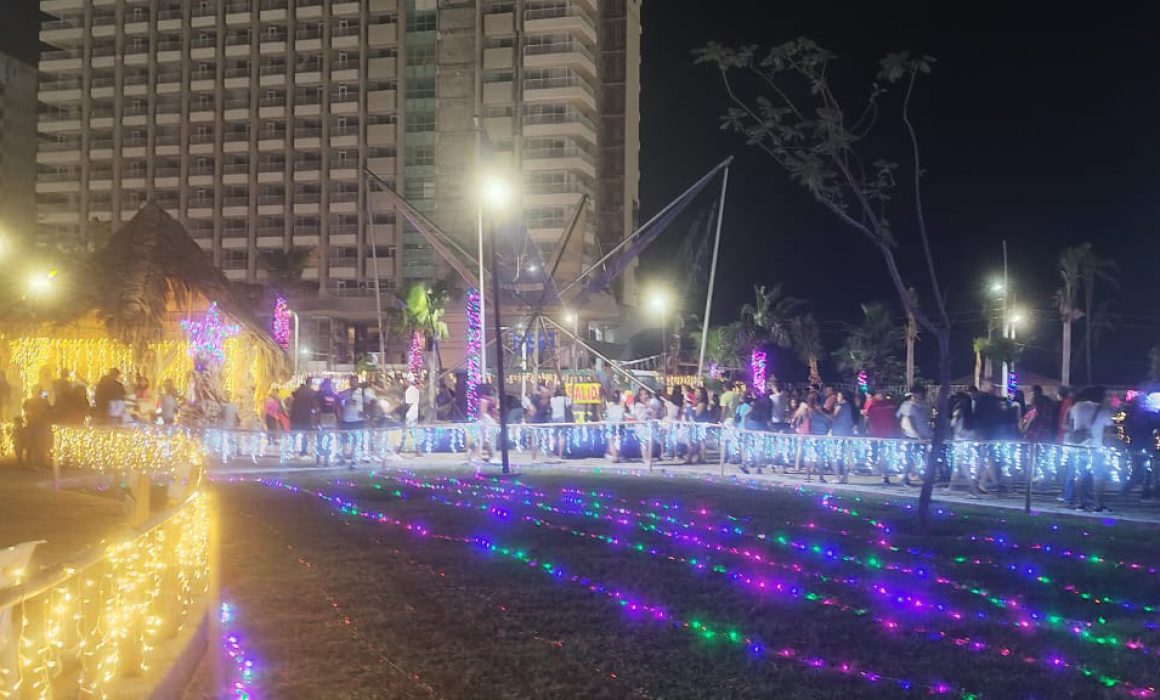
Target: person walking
(38, 429)
(914, 417)
(1089, 419)
(109, 398)
(168, 403)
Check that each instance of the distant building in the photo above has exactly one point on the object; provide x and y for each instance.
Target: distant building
(17, 148)
(251, 121)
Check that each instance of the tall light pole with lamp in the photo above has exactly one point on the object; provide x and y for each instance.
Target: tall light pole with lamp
(573, 318)
(496, 196)
(659, 301)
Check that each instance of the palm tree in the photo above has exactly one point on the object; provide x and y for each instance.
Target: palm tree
(723, 345)
(873, 345)
(1001, 350)
(284, 268)
(979, 346)
(1070, 270)
(770, 315)
(424, 307)
(1094, 269)
(807, 343)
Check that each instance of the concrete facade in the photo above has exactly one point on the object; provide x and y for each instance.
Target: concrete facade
(17, 148)
(251, 122)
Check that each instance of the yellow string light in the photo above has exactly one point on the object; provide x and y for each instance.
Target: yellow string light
(107, 620)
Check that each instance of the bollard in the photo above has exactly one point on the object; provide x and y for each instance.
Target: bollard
(1030, 478)
(140, 486)
(722, 447)
(647, 449)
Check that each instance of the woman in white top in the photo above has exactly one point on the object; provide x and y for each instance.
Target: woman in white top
(614, 413)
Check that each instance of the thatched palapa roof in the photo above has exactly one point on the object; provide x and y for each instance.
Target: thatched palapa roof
(149, 268)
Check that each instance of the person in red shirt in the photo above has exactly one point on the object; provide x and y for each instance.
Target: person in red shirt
(881, 423)
(879, 412)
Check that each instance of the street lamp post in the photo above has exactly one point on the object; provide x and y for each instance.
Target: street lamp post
(496, 194)
(502, 388)
(660, 304)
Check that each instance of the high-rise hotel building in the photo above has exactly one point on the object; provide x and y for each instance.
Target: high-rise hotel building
(251, 121)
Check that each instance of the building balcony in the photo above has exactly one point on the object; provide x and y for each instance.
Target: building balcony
(567, 19)
(575, 93)
(572, 54)
(571, 123)
(499, 58)
(383, 34)
(502, 24)
(498, 93)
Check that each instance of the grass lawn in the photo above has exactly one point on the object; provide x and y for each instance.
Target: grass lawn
(434, 584)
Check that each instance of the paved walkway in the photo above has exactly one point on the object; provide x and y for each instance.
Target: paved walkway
(1124, 507)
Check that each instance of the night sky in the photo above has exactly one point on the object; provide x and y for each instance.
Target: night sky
(1039, 126)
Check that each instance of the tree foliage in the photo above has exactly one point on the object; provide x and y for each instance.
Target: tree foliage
(873, 345)
(770, 315)
(725, 345)
(783, 102)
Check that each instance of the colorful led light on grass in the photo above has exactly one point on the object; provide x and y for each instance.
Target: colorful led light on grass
(474, 352)
(685, 531)
(629, 602)
(240, 665)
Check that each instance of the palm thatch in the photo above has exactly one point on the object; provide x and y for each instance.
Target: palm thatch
(148, 270)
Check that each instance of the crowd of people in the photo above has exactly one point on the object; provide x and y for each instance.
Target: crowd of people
(981, 414)
(66, 401)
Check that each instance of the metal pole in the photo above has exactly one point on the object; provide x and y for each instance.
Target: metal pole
(632, 236)
(297, 347)
(1006, 315)
(664, 338)
(1030, 478)
(712, 275)
(479, 232)
(502, 388)
(375, 266)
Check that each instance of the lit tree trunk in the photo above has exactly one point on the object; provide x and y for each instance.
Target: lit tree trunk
(942, 424)
(1065, 367)
(911, 337)
(1089, 284)
(815, 375)
(978, 367)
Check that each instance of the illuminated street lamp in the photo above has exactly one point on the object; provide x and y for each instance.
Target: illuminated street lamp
(496, 196)
(659, 301)
(572, 318)
(40, 284)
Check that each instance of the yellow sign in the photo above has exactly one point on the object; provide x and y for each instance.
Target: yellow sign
(587, 393)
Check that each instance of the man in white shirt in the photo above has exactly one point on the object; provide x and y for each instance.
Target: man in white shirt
(1088, 421)
(411, 397)
(914, 418)
(350, 401)
(777, 405)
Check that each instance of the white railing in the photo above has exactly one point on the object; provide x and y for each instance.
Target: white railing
(1012, 460)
